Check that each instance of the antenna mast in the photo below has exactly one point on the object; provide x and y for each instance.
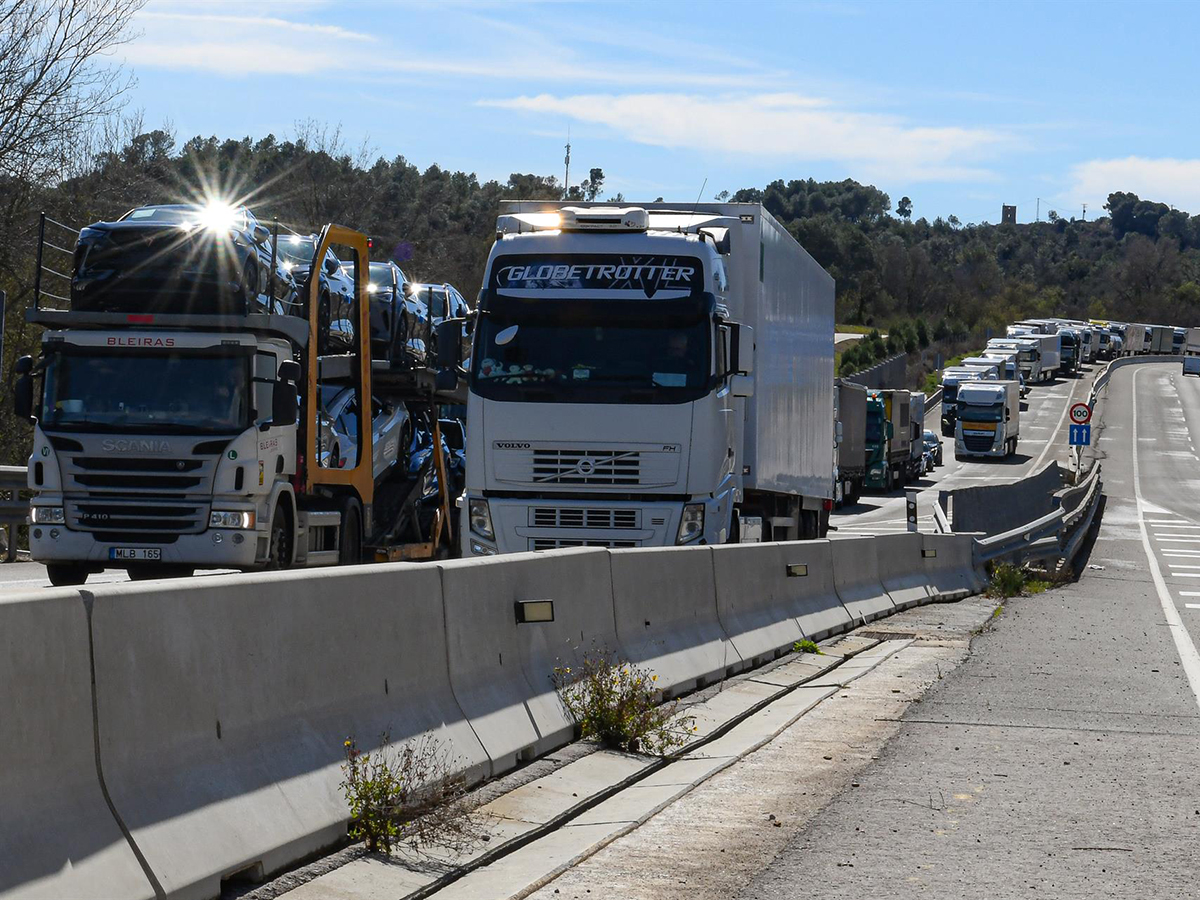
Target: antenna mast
(567, 163)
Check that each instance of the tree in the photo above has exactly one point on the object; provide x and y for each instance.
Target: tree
(904, 208)
(55, 85)
(590, 188)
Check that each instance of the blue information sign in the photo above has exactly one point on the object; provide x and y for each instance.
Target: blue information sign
(1080, 436)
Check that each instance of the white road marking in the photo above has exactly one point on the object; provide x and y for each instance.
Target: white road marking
(1177, 540)
(1192, 605)
(1181, 553)
(1188, 656)
(1189, 593)
(1181, 566)
(1172, 525)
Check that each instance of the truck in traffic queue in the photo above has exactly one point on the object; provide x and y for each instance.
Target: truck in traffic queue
(1070, 342)
(889, 439)
(952, 378)
(648, 376)
(850, 408)
(989, 419)
(916, 424)
(168, 441)
(1192, 344)
(1179, 341)
(1009, 371)
(1162, 339)
(1135, 339)
(1029, 354)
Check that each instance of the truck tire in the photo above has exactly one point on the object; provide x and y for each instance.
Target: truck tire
(283, 538)
(350, 538)
(66, 574)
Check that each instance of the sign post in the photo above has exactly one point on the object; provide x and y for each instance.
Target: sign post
(1079, 434)
(911, 506)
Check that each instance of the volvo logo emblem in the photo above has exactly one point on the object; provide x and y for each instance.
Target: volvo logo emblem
(587, 466)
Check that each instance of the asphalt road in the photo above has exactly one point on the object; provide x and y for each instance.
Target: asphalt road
(1056, 762)
(1043, 437)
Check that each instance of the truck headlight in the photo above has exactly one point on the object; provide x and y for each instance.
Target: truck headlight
(479, 549)
(220, 518)
(480, 517)
(47, 515)
(691, 524)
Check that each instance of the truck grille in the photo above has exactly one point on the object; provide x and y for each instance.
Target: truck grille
(978, 443)
(136, 517)
(576, 517)
(172, 477)
(587, 466)
(555, 543)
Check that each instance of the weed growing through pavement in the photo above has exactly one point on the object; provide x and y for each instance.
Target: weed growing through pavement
(616, 704)
(1013, 581)
(407, 794)
(807, 646)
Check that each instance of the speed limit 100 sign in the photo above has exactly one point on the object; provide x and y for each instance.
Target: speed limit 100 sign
(1081, 413)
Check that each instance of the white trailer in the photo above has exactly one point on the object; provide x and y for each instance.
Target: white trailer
(648, 376)
(1193, 341)
(989, 419)
(1010, 370)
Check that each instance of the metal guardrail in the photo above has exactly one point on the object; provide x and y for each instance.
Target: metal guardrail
(1056, 536)
(13, 507)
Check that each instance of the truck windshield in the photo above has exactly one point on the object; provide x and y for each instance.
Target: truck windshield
(981, 413)
(93, 389)
(874, 428)
(584, 354)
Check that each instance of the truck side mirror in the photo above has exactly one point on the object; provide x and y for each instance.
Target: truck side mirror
(285, 406)
(23, 389)
(741, 351)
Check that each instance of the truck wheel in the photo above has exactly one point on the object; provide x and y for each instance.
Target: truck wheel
(350, 539)
(282, 538)
(66, 574)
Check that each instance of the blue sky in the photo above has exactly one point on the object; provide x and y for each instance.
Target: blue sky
(960, 106)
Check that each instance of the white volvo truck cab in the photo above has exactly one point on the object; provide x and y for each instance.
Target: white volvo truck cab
(612, 382)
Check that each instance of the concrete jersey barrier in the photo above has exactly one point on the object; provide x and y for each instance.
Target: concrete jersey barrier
(771, 595)
(224, 703)
(501, 670)
(950, 566)
(221, 704)
(856, 577)
(58, 837)
(666, 613)
(901, 570)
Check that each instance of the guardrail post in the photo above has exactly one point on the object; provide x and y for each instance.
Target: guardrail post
(911, 504)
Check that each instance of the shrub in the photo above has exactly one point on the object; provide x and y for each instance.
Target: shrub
(807, 646)
(614, 703)
(407, 795)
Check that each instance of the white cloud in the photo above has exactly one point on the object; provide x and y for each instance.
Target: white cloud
(784, 126)
(1164, 180)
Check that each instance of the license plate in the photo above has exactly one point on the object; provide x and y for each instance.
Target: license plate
(138, 553)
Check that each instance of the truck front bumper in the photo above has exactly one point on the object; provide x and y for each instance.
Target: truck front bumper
(547, 523)
(212, 549)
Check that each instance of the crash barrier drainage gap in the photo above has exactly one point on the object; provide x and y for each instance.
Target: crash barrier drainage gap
(158, 737)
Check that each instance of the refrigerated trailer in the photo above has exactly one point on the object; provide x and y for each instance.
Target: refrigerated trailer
(646, 375)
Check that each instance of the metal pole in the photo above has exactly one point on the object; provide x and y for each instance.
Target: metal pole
(37, 272)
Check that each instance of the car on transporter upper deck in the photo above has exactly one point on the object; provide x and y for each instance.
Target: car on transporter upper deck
(181, 258)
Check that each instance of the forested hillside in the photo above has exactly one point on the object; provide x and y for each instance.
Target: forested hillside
(943, 281)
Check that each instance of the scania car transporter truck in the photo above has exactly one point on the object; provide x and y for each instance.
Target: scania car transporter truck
(648, 376)
(195, 438)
